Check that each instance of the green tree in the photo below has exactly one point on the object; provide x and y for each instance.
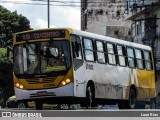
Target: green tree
(6, 81)
(3, 52)
(11, 22)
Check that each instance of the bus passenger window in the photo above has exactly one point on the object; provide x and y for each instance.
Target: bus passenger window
(88, 46)
(121, 55)
(130, 53)
(139, 58)
(111, 54)
(100, 52)
(148, 60)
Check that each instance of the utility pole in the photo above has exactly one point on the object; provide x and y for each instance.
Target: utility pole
(48, 15)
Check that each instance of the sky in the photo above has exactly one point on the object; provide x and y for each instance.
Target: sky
(60, 16)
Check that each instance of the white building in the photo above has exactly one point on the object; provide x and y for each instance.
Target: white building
(105, 17)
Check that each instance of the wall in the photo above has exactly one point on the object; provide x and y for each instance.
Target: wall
(111, 13)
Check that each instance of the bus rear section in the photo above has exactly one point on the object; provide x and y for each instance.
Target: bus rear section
(109, 71)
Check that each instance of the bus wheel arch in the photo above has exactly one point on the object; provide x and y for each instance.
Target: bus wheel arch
(90, 94)
(132, 98)
(130, 103)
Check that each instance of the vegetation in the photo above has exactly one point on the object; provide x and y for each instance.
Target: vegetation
(6, 81)
(10, 23)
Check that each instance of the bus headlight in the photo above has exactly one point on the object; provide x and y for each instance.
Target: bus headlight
(64, 82)
(19, 86)
(68, 80)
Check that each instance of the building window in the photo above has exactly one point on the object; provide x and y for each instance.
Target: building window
(121, 55)
(88, 49)
(132, 2)
(111, 53)
(118, 13)
(133, 30)
(138, 28)
(116, 32)
(100, 52)
(131, 59)
(139, 59)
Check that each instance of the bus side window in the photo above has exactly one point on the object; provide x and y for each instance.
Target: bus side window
(121, 55)
(148, 60)
(139, 59)
(131, 58)
(111, 53)
(76, 47)
(76, 51)
(88, 49)
(100, 52)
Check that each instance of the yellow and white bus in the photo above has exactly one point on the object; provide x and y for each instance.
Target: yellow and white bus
(66, 66)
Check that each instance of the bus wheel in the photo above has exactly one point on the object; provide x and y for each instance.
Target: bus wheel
(131, 103)
(22, 104)
(39, 105)
(89, 97)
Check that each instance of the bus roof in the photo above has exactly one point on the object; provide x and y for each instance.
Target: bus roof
(110, 39)
(98, 37)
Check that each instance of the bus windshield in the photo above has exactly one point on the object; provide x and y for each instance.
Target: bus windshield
(41, 57)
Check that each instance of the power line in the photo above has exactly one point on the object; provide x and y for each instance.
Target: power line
(38, 4)
(58, 1)
(62, 3)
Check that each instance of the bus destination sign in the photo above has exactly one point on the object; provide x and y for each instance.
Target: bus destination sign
(35, 35)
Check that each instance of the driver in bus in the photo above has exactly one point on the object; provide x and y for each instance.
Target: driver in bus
(58, 58)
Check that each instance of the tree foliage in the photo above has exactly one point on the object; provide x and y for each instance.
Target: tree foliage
(3, 52)
(11, 22)
(6, 75)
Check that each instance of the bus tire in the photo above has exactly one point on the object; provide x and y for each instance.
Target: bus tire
(90, 97)
(131, 103)
(39, 105)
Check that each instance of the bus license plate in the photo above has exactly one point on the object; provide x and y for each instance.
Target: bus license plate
(42, 93)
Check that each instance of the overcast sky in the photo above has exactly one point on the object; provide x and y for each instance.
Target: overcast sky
(60, 16)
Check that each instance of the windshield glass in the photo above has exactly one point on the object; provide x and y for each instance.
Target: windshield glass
(41, 57)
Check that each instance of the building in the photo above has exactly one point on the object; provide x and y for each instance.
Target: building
(105, 17)
(145, 17)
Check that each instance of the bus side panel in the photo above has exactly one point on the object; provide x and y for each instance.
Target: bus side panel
(80, 82)
(146, 81)
(111, 82)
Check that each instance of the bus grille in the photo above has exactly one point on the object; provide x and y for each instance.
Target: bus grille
(50, 94)
(40, 80)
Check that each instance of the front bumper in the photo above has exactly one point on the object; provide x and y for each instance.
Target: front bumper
(64, 91)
